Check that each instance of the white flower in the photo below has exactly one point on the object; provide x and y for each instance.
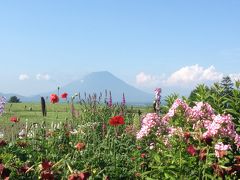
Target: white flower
(22, 133)
(74, 131)
(1, 135)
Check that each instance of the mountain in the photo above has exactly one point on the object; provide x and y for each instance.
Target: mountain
(97, 82)
(100, 81)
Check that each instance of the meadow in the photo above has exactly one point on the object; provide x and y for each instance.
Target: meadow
(194, 137)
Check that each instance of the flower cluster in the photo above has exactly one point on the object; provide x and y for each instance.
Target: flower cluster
(218, 125)
(148, 122)
(205, 123)
(2, 104)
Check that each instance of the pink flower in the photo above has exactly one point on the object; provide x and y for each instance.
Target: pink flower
(221, 149)
(237, 140)
(149, 121)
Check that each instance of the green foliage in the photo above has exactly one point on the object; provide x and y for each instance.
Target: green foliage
(200, 93)
(169, 100)
(227, 86)
(14, 99)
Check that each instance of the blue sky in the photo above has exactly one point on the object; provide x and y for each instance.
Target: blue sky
(172, 44)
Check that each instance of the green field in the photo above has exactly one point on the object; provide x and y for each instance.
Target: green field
(56, 113)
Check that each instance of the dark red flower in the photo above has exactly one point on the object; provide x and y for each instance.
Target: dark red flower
(64, 95)
(79, 176)
(47, 175)
(14, 119)
(54, 98)
(116, 120)
(46, 165)
(4, 172)
(208, 140)
(191, 150)
(3, 143)
(24, 168)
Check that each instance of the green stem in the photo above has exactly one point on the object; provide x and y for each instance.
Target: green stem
(114, 149)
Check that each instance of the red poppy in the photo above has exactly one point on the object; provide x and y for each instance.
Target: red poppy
(54, 98)
(64, 95)
(80, 146)
(14, 119)
(116, 120)
(191, 150)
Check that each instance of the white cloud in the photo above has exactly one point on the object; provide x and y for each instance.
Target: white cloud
(187, 76)
(23, 77)
(191, 75)
(147, 80)
(235, 77)
(143, 78)
(43, 77)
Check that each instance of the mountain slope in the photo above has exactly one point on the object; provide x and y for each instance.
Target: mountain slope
(100, 81)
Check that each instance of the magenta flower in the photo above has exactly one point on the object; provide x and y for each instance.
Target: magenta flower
(123, 100)
(110, 100)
